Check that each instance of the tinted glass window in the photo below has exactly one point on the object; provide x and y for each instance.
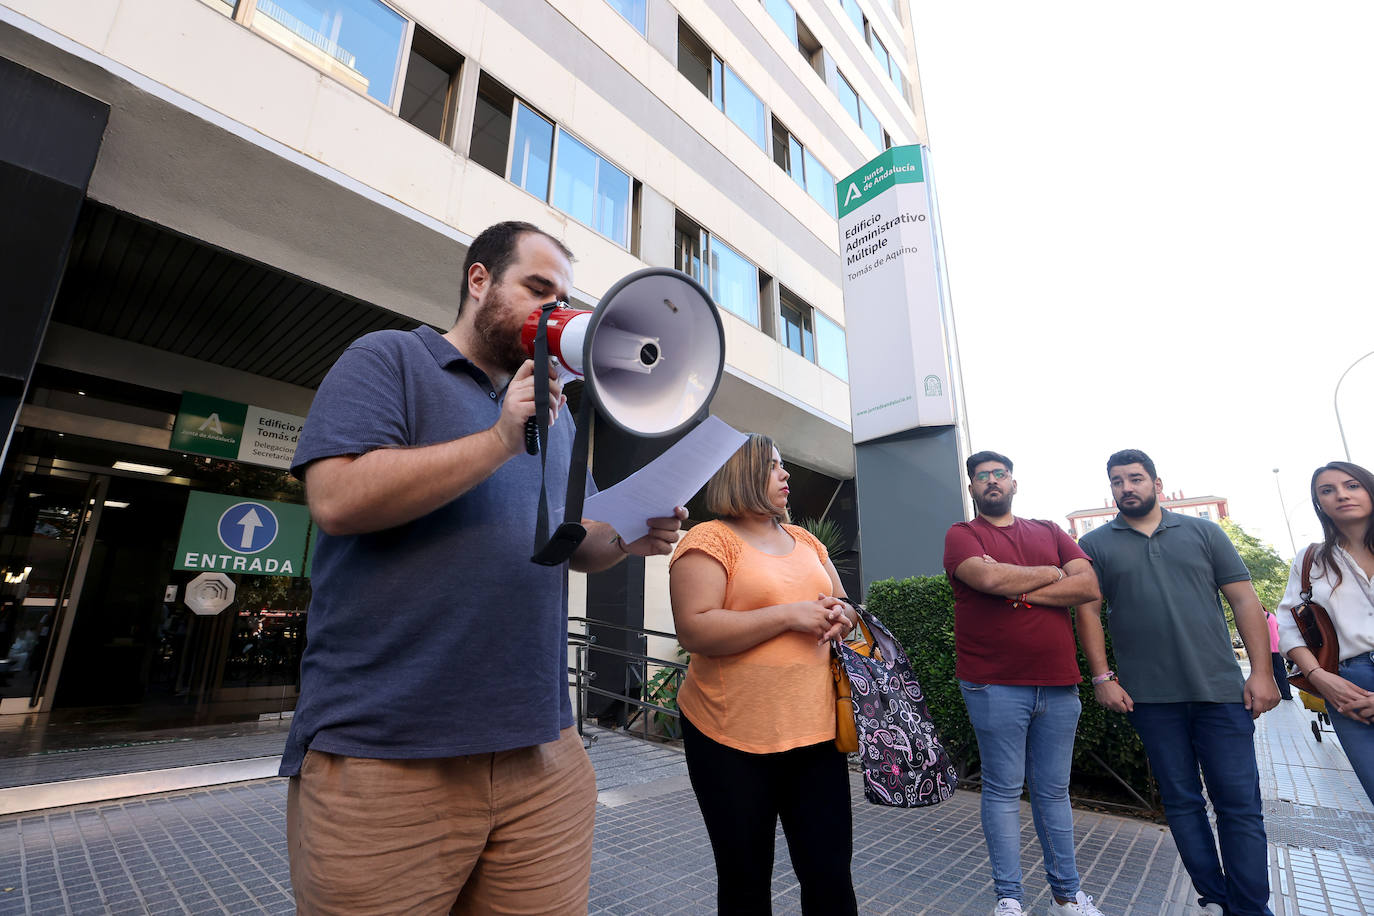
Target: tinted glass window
(529, 164)
(744, 108)
(734, 282)
(830, 348)
(356, 41)
(632, 10)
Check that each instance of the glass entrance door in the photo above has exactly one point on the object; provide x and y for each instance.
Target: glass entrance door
(94, 628)
(44, 521)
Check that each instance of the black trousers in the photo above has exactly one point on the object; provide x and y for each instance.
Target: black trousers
(743, 795)
(1281, 676)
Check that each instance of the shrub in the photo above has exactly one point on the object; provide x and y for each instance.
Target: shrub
(920, 613)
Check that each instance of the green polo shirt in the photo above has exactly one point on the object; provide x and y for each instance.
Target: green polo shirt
(1168, 627)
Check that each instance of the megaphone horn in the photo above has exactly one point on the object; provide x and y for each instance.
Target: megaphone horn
(652, 351)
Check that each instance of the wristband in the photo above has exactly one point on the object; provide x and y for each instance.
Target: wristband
(619, 542)
(1104, 677)
(1061, 573)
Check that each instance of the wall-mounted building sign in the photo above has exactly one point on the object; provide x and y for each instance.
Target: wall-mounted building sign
(232, 534)
(227, 429)
(895, 325)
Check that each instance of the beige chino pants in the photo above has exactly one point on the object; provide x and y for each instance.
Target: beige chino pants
(504, 833)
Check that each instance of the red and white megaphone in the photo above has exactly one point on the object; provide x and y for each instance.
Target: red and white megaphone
(651, 352)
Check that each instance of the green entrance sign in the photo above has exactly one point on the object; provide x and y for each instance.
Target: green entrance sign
(234, 534)
(209, 426)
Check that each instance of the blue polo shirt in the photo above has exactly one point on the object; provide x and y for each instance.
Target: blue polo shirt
(1168, 627)
(438, 637)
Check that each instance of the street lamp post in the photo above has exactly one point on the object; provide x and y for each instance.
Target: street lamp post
(1293, 545)
(1335, 403)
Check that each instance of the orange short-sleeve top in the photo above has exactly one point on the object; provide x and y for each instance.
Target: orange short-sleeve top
(779, 694)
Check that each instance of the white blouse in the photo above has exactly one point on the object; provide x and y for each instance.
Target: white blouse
(1350, 605)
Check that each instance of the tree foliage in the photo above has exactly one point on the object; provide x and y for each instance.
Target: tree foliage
(1268, 570)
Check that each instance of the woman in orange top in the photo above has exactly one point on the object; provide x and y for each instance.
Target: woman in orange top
(757, 601)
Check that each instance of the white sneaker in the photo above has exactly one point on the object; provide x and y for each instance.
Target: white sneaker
(1212, 909)
(1007, 906)
(1080, 905)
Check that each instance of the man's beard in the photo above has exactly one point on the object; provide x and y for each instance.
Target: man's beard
(1144, 508)
(994, 506)
(499, 342)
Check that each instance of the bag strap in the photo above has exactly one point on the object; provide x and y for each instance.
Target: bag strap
(1307, 558)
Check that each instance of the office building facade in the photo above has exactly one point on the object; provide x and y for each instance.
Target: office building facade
(209, 199)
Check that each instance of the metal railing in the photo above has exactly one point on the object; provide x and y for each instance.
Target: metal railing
(664, 682)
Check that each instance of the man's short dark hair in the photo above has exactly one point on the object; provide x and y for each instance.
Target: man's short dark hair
(1131, 456)
(978, 458)
(494, 249)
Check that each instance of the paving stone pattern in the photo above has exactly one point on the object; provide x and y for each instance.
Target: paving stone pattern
(223, 850)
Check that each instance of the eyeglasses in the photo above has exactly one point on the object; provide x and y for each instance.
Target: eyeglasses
(999, 474)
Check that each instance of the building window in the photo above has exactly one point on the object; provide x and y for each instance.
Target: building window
(358, 42)
(633, 10)
(428, 96)
(830, 347)
(224, 6)
(784, 16)
(491, 125)
(514, 141)
(859, 110)
(820, 184)
(532, 151)
(810, 47)
(880, 51)
(856, 16)
(745, 109)
(591, 190)
(848, 97)
(694, 58)
(797, 161)
(869, 122)
(797, 332)
(732, 281)
(716, 81)
(1203, 513)
(689, 249)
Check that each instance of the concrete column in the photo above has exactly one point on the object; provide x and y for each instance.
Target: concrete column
(49, 137)
(910, 492)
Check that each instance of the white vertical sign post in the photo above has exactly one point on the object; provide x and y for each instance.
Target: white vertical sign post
(899, 351)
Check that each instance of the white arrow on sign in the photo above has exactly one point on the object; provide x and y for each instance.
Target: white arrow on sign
(251, 522)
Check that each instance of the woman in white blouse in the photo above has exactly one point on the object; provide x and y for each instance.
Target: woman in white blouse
(1342, 574)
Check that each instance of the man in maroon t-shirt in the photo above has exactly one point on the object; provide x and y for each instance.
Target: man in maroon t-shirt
(1013, 580)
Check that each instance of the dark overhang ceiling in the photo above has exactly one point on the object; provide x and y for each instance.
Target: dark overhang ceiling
(133, 280)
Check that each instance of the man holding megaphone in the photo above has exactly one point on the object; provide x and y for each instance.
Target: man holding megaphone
(433, 757)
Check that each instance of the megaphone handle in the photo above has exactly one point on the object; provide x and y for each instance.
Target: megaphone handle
(532, 436)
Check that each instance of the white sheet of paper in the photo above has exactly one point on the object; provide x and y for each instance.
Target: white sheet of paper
(666, 482)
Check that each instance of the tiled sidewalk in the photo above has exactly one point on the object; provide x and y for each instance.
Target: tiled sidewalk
(222, 850)
(1319, 821)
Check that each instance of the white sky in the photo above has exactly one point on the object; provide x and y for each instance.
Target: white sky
(1159, 228)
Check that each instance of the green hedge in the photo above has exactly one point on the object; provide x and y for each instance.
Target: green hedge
(920, 613)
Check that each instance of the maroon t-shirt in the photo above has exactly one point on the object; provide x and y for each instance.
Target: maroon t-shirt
(995, 642)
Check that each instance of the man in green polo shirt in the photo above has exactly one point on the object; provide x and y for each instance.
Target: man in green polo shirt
(1179, 682)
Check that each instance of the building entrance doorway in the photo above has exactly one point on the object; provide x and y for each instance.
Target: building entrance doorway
(95, 635)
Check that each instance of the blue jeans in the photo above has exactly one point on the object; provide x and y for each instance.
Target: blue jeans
(1357, 738)
(1220, 739)
(1025, 737)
